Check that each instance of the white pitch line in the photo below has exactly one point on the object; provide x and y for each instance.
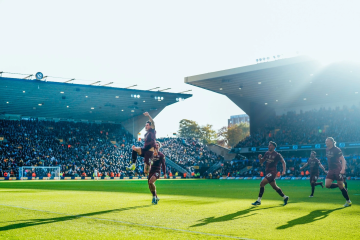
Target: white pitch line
(129, 223)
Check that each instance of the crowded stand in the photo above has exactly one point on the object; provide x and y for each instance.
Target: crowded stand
(251, 166)
(77, 148)
(188, 152)
(81, 148)
(307, 128)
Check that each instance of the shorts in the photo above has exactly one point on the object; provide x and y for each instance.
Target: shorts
(335, 175)
(147, 155)
(155, 174)
(270, 176)
(314, 177)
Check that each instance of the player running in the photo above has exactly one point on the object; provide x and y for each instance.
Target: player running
(157, 161)
(147, 151)
(271, 158)
(336, 169)
(314, 171)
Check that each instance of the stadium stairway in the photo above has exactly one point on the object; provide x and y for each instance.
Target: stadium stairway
(245, 169)
(176, 167)
(214, 167)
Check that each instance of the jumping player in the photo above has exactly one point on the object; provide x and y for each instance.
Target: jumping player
(271, 158)
(314, 171)
(157, 161)
(336, 169)
(147, 151)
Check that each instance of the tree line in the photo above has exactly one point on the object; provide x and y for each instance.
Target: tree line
(225, 136)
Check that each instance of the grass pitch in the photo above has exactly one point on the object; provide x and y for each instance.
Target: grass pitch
(188, 209)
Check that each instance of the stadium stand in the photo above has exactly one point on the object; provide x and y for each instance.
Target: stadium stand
(75, 126)
(297, 102)
(80, 148)
(189, 153)
(250, 167)
(308, 128)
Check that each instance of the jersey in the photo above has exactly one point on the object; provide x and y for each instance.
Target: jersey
(333, 156)
(158, 162)
(272, 159)
(150, 139)
(314, 165)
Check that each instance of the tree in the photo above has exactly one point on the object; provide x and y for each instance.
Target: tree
(222, 137)
(189, 129)
(208, 135)
(233, 134)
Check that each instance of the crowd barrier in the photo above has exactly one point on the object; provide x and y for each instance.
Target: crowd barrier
(79, 178)
(281, 178)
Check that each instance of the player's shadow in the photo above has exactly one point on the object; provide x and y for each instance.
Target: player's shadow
(36, 222)
(311, 217)
(239, 214)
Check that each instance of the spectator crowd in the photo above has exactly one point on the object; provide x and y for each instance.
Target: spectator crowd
(81, 148)
(77, 148)
(252, 168)
(308, 128)
(188, 153)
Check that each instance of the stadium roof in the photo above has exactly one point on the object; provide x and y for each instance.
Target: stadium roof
(54, 100)
(285, 83)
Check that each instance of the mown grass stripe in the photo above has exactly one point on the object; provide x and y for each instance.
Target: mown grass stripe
(129, 223)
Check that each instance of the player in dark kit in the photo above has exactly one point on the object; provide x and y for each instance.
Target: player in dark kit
(337, 165)
(157, 162)
(271, 158)
(147, 151)
(314, 164)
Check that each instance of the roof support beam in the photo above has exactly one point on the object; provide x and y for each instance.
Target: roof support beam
(28, 76)
(164, 89)
(69, 80)
(186, 91)
(153, 88)
(94, 83)
(108, 84)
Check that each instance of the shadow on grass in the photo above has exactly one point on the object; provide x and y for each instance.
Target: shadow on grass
(310, 218)
(225, 189)
(239, 214)
(36, 222)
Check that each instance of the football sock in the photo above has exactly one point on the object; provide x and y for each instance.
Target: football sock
(317, 184)
(312, 189)
(345, 194)
(134, 156)
(262, 189)
(153, 193)
(280, 192)
(259, 199)
(345, 184)
(285, 196)
(334, 185)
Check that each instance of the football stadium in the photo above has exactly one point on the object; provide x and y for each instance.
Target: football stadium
(88, 160)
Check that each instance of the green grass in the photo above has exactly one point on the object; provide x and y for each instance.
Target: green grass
(188, 209)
